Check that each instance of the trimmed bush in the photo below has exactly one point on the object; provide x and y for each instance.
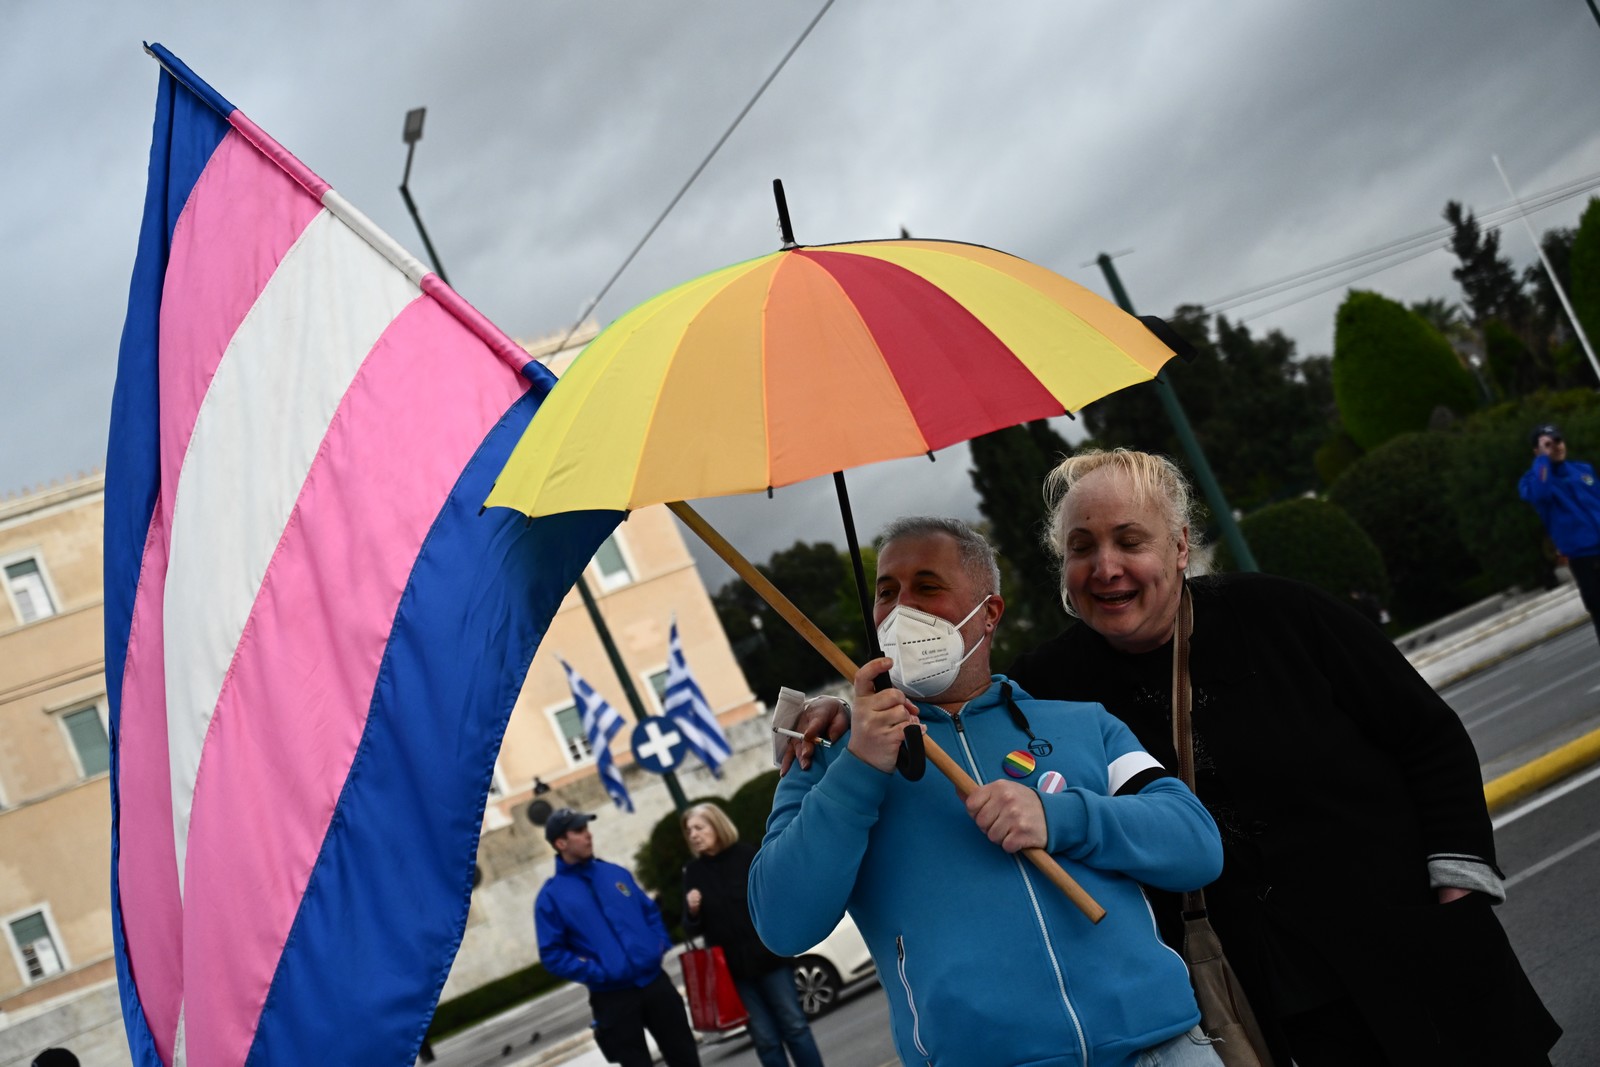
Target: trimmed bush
(490, 999)
(1315, 542)
(1585, 267)
(1398, 493)
(1391, 370)
(1499, 530)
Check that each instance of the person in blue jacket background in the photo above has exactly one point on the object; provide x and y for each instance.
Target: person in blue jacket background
(598, 928)
(1565, 494)
(984, 961)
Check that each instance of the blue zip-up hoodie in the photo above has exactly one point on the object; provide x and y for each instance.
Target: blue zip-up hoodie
(984, 961)
(597, 927)
(1567, 499)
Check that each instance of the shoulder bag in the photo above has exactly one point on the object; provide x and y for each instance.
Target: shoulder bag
(1225, 1014)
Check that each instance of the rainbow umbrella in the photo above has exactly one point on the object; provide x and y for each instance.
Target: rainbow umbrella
(814, 360)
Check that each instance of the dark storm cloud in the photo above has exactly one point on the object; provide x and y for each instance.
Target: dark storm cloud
(1227, 145)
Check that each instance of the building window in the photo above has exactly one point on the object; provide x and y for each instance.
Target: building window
(35, 944)
(87, 732)
(569, 727)
(657, 682)
(29, 591)
(612, 565)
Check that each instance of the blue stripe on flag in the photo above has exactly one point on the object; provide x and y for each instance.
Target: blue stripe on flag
(185, 135)
(686, 705)
(405, 831)
(601, 722)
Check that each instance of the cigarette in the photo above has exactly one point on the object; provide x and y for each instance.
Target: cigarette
(798, 736)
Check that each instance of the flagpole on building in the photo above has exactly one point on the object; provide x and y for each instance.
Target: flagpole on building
(411, 135)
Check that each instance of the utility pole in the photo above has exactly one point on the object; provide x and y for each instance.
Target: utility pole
(411, 135)
(1221, 513)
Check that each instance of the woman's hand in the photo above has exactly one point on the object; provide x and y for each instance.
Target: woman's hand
(826, 717)
(691, 900)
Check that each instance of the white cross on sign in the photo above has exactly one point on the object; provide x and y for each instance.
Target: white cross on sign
(659, 748)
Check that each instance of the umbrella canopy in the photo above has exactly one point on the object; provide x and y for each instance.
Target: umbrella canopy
(817, 359)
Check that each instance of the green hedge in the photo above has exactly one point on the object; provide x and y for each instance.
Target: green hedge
(1391, 370)
(1315, 542)
(453, 1016)
(660, 861)
(1500, 531)
(1399, 493)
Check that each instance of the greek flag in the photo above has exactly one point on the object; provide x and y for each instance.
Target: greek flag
(601, 722)
(686, 706)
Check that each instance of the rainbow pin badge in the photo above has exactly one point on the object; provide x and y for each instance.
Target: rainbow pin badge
(1018, 764)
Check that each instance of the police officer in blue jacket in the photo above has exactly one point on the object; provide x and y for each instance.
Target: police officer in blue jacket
(1565, 494)
(597, 927)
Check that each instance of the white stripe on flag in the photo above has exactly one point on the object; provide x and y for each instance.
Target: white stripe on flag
(247, 461)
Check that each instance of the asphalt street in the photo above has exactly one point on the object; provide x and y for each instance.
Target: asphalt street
(1532, 702)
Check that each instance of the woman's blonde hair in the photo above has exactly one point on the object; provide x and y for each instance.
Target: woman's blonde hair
(721, 826)
(1154, 478)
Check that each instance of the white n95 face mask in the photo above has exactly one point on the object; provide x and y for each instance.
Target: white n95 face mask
(927, 651)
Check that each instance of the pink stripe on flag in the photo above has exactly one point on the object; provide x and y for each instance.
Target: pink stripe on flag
(295, 702)
(515, 356)
(147, 861)
(278, 154)
(241, 219)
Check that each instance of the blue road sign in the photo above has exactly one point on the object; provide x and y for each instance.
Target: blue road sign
(658, 744)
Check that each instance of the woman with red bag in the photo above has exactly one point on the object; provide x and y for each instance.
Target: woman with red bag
(716, 885)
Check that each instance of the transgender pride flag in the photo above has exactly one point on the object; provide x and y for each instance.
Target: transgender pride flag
(313, 638)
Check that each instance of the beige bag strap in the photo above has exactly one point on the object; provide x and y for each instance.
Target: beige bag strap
(1182, 710)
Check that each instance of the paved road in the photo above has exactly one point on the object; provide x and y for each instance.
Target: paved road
(1550, 851)
(1533, 702)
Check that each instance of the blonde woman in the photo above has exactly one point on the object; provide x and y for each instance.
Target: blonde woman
(715, 886)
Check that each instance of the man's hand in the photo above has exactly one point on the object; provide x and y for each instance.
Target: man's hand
(1448, 893)
(827, 717)
(880, 720)
(1012, 815)
(692, 901)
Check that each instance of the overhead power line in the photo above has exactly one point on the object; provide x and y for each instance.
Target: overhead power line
(606, 288)
(1357, 265)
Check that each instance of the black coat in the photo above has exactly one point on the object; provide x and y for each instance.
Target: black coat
(724, 919)
(1333, 771)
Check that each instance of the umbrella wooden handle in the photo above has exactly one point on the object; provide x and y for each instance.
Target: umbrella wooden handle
(1037, 856)
(820, 641)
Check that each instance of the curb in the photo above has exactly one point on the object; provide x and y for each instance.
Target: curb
(1548, 769)
(1494, 661)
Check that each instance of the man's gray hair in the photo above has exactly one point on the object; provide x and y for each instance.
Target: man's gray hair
(974, 550)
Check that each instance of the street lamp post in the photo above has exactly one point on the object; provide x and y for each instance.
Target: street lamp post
(411, 135)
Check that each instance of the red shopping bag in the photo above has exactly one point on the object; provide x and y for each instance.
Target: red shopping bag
(714, 1003)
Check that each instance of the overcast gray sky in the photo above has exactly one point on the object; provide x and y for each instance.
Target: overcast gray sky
(1226, 145)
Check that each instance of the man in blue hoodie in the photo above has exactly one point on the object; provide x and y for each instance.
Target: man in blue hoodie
(1567, 498)
(984, 961)
(597, 927)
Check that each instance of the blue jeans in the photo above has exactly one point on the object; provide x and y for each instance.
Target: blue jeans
(776, 1020)
(1192, 1049)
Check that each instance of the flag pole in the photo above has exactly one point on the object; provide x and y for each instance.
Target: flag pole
(831, 652)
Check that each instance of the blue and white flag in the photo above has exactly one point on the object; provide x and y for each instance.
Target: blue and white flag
(686, 706)
(601, 722)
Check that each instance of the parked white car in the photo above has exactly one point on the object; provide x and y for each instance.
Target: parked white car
(826, 971)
